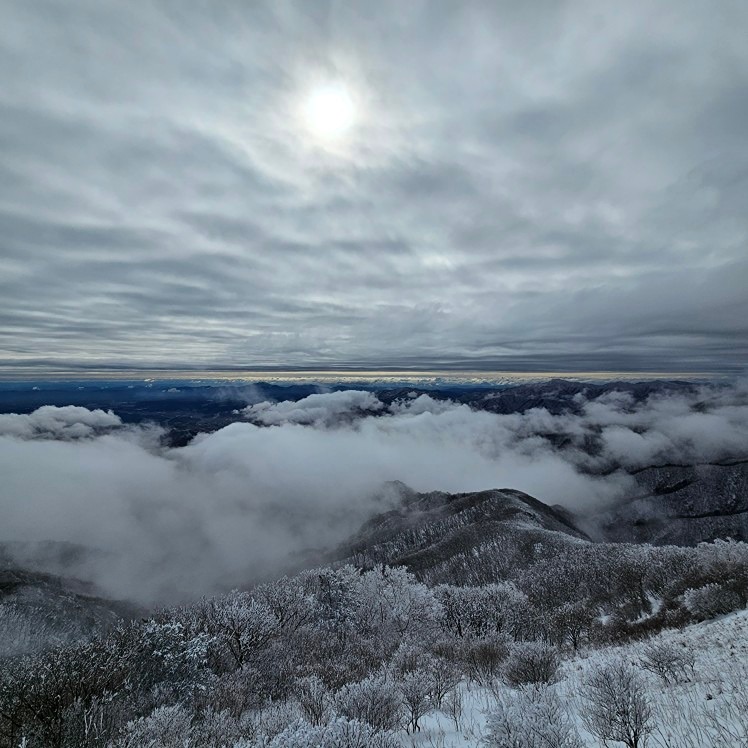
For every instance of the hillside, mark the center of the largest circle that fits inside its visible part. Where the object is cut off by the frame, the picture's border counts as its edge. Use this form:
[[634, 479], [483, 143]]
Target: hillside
[[38, 610], [703, 706], [682, 505], [430, 530]]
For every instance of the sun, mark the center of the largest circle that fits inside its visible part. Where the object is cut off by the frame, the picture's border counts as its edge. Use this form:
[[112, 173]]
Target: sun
[[330, 111]]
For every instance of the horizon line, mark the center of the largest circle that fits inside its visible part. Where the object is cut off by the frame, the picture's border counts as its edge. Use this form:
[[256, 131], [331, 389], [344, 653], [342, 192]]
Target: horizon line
[[258, 374]]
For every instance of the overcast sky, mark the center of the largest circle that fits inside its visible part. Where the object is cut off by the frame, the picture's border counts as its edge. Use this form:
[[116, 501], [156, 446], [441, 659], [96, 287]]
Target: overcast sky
[[525, 185]]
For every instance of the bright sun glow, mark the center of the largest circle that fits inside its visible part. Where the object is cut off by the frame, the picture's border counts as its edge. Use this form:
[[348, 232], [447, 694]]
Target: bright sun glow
[[330, 112]]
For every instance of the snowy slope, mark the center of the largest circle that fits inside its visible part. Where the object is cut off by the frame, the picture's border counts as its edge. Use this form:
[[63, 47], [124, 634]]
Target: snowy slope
[[708, 709]]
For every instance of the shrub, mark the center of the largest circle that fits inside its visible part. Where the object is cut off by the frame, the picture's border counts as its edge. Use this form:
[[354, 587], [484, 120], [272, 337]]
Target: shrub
[[483, 659], [616, 705], [165, 726], [531, 719], [532, 663], [373, 700], [711, 600], [668, 661], [340, 733]]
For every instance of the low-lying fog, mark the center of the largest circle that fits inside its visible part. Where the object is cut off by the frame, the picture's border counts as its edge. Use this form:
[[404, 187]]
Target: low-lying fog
[[237, 504]]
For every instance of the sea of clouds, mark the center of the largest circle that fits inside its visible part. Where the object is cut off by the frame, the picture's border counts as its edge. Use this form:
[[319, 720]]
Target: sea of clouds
[[251, 499]]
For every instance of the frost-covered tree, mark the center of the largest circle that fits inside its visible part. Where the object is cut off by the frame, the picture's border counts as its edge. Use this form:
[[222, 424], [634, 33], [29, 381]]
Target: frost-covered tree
[[532, 663], [444, 677], [726, 561], [338, 597], [339, 733], [531, 719], [165, 727], [273, 720], [416, 690], [290, 602], [56, 693], [570, 624], [616, 705], [165, 652], [711, 600], [374, 700], [483, 659], [314, 698], [394, 604], [483, 611], [239, 625], [28, 630], [667, 660], [212, 728]]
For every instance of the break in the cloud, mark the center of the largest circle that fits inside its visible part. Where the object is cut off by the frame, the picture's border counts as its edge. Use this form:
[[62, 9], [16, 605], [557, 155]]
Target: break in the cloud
[[243, 502], [533, 185]]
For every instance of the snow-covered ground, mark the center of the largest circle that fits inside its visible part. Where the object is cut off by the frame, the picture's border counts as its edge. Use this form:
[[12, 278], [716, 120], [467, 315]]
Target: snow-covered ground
[[705, 708]]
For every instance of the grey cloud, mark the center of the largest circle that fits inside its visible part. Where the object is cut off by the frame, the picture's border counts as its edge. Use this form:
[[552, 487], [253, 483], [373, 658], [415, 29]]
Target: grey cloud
[[522, 186], [321, 409], [51, 422]]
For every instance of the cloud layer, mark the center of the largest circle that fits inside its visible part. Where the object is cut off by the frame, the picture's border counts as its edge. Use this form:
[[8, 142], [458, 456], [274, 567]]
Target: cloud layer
[[315, 410], [52, 422], [247, 501], [531, 185]]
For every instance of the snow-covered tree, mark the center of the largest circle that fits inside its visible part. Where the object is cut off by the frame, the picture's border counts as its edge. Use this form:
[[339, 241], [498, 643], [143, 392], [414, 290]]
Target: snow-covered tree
[[711, 600], [532, 663], [531, 719], [339, 733], [616, 705], [416, 690], [165, 727], [240, 625], [374, 700]]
